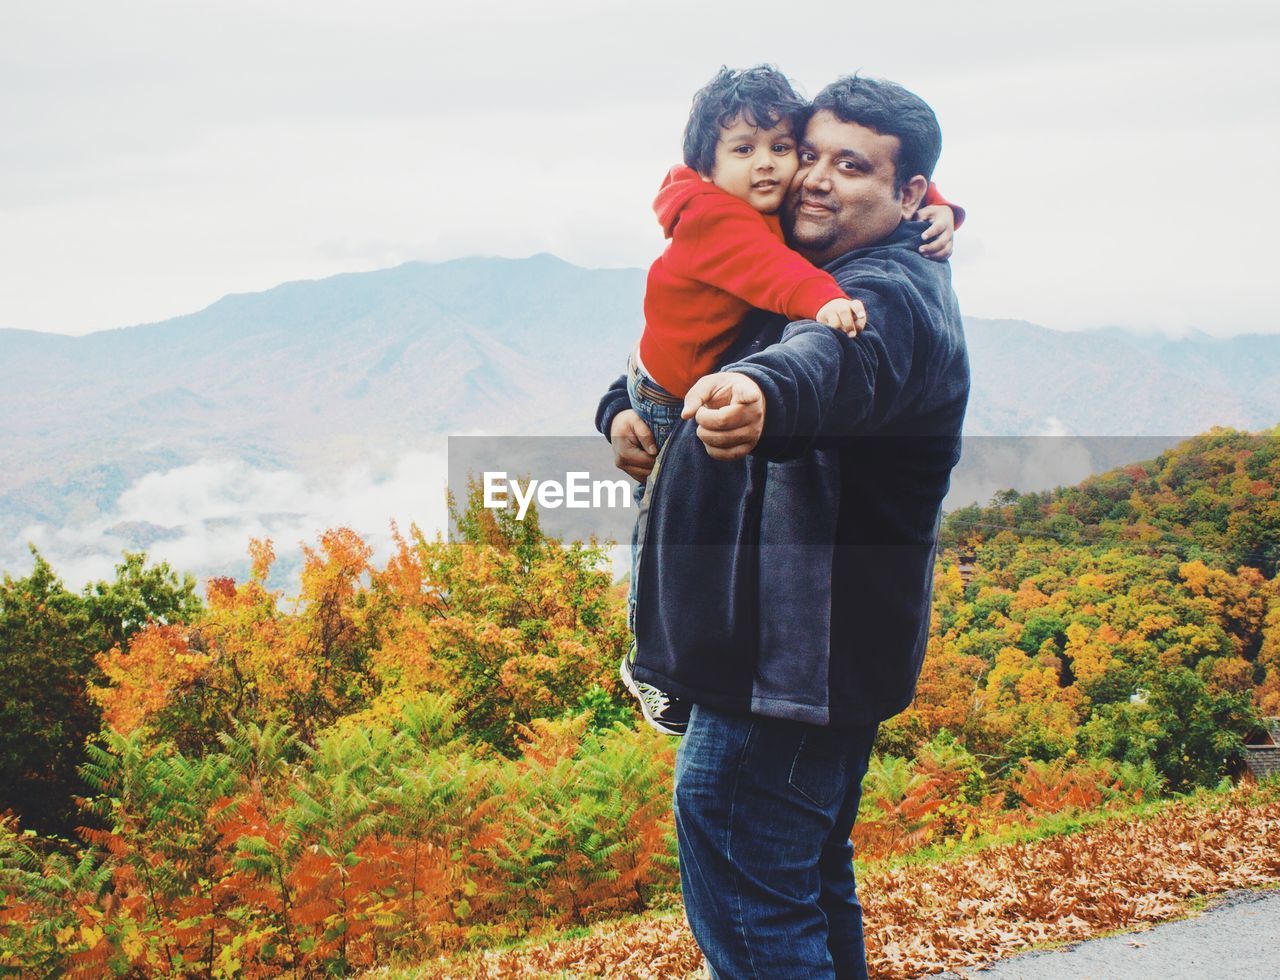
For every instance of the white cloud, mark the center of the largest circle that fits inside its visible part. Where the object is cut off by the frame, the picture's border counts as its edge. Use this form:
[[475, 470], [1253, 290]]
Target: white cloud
[[210, 509]]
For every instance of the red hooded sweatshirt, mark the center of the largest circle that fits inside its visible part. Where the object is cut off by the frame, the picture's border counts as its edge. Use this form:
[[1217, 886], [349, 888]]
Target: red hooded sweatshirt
[[724, 258]]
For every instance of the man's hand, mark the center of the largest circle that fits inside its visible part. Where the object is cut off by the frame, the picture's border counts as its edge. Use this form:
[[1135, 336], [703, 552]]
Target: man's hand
[[729, 410], [633, 446], [844, 314], [939, 237]]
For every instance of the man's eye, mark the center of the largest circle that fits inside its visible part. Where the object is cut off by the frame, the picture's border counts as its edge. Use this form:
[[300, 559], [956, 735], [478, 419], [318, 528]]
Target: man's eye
[[807, 157]]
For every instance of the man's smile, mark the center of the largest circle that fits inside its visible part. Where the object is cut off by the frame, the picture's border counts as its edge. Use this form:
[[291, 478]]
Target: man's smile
[[810, 206]]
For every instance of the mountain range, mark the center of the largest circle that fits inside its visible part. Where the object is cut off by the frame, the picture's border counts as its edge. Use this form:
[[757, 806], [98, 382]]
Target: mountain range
[[314, 376]]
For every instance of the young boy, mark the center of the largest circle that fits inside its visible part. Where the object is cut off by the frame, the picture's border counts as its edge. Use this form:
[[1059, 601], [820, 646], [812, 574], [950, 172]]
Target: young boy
[[727, 256]]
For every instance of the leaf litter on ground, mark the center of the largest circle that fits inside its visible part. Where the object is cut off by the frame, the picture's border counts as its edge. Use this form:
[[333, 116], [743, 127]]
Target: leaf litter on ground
[[923, 919]]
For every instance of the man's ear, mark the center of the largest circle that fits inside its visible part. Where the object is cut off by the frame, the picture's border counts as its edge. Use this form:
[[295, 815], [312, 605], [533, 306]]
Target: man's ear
[[913, 193]]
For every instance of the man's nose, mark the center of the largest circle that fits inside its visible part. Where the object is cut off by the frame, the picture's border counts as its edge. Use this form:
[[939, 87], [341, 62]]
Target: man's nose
[[817, 178]]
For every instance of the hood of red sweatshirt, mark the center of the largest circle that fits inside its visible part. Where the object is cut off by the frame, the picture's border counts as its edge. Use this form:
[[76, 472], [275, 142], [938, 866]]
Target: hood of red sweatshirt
[[681, 185]]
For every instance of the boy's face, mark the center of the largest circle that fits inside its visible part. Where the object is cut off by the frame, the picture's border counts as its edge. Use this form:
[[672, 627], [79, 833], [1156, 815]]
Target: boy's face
[[755, 164]]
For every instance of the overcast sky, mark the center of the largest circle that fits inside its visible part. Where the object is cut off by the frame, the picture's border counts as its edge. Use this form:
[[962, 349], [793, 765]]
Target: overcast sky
[[1116, 159]]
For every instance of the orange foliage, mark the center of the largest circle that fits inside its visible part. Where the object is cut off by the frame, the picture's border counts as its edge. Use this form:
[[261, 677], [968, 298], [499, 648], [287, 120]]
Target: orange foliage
[[143, 679], [949, 692], [1233, 675], [1236, 602], [1267, 694], [1049, 787], [513, 632]]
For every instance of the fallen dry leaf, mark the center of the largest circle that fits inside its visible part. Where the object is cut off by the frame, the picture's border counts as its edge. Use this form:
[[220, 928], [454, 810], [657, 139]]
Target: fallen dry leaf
[[965, 913]]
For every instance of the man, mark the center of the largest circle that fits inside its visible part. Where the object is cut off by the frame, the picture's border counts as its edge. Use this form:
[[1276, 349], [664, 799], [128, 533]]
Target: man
[[785, 588]]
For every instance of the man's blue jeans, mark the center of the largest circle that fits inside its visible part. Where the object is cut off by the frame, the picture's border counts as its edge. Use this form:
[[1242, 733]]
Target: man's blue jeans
[[764, 809]]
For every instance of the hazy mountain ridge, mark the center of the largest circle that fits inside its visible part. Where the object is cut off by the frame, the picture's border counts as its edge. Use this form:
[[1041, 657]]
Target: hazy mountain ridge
[[314, 375], [389, 356], [1113, 382]]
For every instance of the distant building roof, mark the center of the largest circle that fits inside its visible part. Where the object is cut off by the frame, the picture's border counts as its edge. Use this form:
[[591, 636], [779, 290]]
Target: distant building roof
[[1262, 755]]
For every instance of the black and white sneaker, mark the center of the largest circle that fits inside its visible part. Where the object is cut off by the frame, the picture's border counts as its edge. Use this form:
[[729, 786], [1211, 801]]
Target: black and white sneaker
[[663, 712]]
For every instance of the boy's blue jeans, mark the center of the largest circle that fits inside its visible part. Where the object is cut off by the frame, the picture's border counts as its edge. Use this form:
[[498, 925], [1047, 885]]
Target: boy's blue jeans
[[661, 411], [658, 407], [764, 809]]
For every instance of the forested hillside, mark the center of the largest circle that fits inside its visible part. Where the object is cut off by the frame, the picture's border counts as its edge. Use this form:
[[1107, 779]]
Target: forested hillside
[[1215, 497]]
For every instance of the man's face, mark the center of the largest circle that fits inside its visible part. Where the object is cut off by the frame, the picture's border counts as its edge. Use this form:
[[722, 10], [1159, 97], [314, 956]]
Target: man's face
[[842, 196], [755, 164]]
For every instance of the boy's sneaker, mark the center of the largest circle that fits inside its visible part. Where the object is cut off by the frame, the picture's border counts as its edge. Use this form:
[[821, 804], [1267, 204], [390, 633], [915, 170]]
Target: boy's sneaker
[[667, 714]]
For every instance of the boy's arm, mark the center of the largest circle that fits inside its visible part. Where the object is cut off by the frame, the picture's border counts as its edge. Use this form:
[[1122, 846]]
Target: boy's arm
[[943, 218], [725, 243], [933, 197]]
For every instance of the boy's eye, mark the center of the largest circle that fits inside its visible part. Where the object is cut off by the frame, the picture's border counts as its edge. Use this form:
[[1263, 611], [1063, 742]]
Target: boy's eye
[[745, 148], [782, 147]]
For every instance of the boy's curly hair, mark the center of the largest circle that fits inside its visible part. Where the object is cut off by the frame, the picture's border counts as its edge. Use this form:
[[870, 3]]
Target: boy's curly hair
[[761, 95]]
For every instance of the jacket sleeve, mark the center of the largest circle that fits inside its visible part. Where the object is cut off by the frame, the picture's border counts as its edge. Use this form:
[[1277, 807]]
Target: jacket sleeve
[[820, 384], [614, 400], [934, 196], [726, 244]]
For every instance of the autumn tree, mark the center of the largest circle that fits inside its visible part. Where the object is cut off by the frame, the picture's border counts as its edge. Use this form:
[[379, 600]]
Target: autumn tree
[[512, 624], [48, 639]]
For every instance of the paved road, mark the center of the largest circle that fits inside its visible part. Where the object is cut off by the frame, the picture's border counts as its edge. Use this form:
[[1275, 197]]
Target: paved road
[[1237, 937]]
